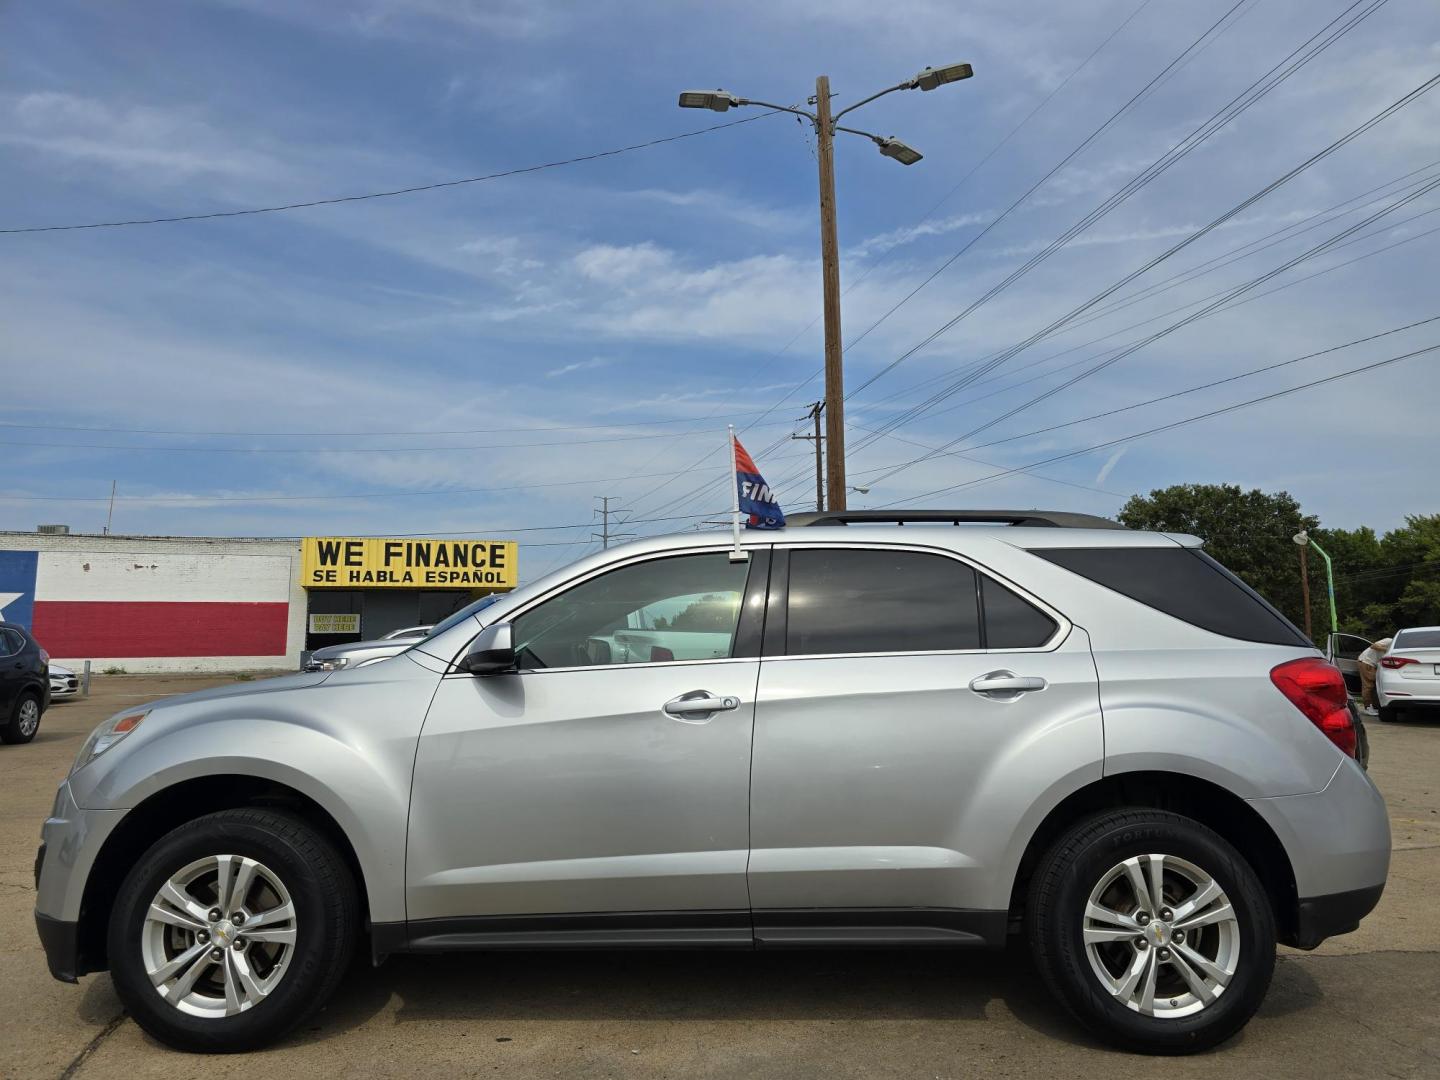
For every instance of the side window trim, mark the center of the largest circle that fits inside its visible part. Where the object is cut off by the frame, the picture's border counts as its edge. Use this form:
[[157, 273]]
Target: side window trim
[[778, 606]]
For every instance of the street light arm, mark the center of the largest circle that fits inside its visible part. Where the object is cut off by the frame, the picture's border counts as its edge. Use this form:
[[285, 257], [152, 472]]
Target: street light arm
[[778, 108], [857, 131], [908, 84]]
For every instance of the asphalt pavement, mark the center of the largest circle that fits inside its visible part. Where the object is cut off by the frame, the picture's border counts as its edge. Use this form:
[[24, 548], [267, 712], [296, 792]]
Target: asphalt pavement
[[1363, 1005]]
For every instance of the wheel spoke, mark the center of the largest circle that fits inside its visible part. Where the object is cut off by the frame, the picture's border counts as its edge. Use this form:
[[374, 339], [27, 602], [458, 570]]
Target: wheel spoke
[[1157, 882], [1138, 885], [1099, 913], [1141, 968], [1095, 935], [242, 989], [169, 915], [283, 913], [1203, 896], [1147, 985], [284, 936], [175, 895], [240, 888], [224, 874], [1221, 913], [167, 971], [1206, 967], [1193, 979]]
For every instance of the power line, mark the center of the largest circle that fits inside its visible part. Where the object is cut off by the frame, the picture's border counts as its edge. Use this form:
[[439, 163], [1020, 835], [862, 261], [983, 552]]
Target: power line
[[353, 449], [369, 434], [1170, 426], [939, 452], [1235, 210], [1237, 105], [392, 193]]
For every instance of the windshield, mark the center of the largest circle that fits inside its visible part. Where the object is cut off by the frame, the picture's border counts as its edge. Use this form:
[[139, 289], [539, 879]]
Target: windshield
[[463, 614]]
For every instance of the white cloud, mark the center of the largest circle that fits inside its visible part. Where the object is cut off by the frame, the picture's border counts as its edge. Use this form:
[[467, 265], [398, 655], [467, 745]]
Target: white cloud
[[579, 365]]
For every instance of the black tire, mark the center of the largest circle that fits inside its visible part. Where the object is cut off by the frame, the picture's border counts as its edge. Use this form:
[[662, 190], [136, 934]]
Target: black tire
[[14, 731], [1389, 714], [326, 920], [1061, 888]]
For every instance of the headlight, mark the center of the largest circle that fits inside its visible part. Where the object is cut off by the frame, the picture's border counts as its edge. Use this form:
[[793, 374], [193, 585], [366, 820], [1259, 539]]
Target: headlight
[[107, 735], [333, 663]]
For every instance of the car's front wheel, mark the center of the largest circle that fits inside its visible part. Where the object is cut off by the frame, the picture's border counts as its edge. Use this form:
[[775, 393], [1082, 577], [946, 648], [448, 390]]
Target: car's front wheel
[[231, 930], [1152, 930]]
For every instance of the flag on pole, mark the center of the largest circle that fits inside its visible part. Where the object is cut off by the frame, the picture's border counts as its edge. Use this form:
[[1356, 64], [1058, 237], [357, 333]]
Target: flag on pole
[[755, 496]]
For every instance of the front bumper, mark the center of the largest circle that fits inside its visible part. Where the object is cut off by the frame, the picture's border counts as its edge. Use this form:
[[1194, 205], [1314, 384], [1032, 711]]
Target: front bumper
[[71, 839], [61, 942]]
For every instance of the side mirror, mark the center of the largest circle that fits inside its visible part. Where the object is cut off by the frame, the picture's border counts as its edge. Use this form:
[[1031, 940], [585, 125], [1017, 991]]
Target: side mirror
[[492, 653]]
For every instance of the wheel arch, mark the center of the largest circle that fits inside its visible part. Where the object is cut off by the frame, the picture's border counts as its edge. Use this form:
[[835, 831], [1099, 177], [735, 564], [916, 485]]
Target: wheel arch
[[171, 807], [1204, 801]]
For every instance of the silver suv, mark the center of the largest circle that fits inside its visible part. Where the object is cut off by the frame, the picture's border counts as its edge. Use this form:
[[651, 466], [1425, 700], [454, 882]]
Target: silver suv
[[917, 729]]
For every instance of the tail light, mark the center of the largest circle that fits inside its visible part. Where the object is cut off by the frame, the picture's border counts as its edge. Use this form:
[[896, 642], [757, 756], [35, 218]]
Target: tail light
[[1393, 662], [1317, 689]]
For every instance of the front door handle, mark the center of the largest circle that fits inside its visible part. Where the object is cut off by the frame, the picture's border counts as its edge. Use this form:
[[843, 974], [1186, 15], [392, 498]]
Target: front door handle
[[1006, 685], [698, 706]]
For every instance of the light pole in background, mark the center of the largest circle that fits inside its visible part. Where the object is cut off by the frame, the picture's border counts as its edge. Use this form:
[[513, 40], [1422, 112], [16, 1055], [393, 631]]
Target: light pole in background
[[1305, 542], [825, 126]]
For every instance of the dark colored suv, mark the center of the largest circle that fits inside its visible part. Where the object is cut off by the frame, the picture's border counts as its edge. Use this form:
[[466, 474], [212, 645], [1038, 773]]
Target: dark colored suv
[[24, 684]]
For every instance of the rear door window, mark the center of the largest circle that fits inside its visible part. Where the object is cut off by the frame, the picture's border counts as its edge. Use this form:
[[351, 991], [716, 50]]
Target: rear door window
[[854, 600], [1184, 583]]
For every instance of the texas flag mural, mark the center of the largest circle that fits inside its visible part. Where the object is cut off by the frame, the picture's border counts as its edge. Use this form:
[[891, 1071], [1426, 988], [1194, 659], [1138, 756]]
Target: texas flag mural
[[756, 498], [119, 605]]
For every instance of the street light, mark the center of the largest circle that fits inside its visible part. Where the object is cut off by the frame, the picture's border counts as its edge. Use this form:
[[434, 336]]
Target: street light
[[1304, 541], [825, 126]]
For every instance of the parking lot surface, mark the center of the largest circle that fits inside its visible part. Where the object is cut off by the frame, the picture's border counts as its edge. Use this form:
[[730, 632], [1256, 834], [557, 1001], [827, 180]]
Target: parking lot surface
[[1363, 1005]]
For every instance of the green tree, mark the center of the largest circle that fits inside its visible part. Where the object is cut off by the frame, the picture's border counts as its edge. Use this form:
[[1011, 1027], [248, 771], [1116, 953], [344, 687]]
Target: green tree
[[1249, 531]]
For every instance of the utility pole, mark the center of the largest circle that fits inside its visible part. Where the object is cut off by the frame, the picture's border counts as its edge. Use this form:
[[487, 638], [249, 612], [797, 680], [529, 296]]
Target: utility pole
[[830, 274], [1305, 587], [816, 408], [110, 514], [605, 535], [826, 125]]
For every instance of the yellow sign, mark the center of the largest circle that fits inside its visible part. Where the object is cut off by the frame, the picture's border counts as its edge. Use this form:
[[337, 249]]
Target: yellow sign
[[340, 562], [334, 624]]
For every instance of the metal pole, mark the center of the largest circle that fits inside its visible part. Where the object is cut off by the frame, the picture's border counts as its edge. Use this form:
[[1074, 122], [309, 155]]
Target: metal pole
[[815, 410], [736, 555], [1329, 585], [1305, 588], [85, 681], [110, 514], [830, 274]]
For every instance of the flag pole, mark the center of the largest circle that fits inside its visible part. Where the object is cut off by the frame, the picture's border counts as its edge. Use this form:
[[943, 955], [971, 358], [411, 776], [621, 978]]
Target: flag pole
[[736, 555]]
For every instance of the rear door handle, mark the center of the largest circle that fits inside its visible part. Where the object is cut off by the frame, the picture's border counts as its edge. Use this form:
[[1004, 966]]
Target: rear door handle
[[1006, 684], [698, 706]]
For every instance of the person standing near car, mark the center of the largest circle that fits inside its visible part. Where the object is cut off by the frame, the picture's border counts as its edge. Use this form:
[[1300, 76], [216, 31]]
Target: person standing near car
[[1369, 661]]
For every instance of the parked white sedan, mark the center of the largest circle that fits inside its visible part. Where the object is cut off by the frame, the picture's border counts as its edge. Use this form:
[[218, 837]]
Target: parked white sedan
[[64, 683], [1409, 674]]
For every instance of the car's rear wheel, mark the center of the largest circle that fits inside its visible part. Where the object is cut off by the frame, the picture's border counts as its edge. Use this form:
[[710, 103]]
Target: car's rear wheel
[[1152, 930], [24, 719], [231, 930]]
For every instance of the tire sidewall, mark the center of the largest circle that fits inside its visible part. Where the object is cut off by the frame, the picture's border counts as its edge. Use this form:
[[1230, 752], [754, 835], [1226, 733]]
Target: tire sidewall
[[316, 936], [1083, 991]]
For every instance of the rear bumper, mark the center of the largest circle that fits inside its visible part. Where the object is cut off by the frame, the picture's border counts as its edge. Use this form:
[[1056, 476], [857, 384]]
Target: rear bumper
[[1321, 917], [1338, 843]]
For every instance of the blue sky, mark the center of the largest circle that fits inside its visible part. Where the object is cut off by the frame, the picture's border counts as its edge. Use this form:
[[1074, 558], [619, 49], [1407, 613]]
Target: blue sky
[[640, 302]]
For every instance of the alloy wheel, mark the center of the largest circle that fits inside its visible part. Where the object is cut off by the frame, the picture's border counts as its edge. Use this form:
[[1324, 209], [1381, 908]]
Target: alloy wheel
[[1161, 936], [29, 717], [219, 936]]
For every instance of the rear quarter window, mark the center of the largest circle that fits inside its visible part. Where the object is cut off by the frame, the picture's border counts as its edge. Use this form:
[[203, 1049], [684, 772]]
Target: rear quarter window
[[1186, 584]]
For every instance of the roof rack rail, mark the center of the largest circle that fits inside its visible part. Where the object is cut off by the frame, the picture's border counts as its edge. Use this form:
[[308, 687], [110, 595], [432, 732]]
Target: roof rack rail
[[1051, 519]]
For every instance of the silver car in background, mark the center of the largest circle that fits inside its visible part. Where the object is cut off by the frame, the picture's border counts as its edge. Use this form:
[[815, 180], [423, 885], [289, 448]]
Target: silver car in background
[[883, 728], [355, 654]]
